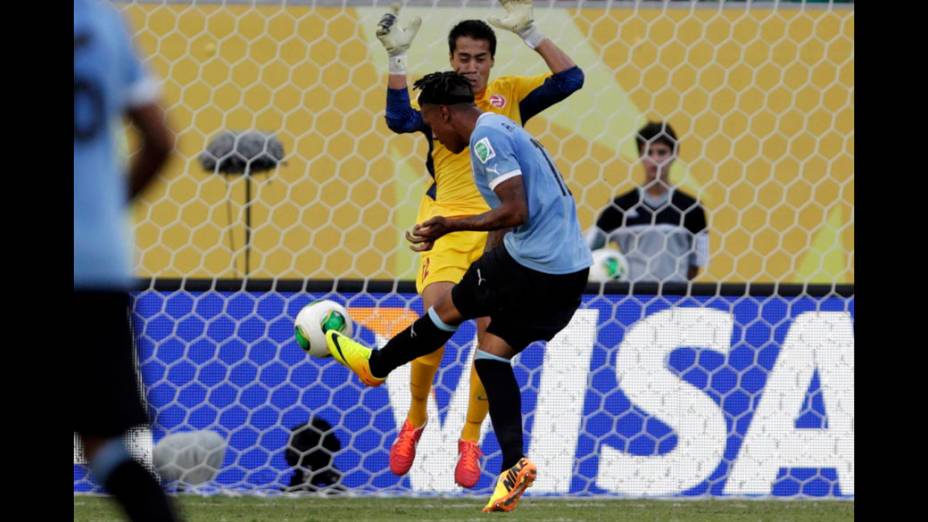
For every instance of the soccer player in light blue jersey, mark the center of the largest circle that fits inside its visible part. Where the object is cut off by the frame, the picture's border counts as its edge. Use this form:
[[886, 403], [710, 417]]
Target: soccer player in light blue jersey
[[529, 281], [109, 84]]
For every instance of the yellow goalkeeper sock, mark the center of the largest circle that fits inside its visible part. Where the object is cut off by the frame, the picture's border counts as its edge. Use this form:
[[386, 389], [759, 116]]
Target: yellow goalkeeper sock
[[420, 384], [477, 408]]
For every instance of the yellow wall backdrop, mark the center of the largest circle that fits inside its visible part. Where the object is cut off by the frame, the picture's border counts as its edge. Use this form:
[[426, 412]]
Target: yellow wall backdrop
[[762, 100]]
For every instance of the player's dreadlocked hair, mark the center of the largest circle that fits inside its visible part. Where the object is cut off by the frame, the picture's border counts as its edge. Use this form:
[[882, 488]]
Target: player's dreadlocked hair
[[444, 88]]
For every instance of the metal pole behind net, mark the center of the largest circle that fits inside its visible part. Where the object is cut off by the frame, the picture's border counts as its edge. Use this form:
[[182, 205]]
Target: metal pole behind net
[[247, 223], [244, 153]]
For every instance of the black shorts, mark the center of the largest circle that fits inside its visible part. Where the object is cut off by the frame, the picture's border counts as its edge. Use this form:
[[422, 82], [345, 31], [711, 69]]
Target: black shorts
[[524, 305], [104, 376]]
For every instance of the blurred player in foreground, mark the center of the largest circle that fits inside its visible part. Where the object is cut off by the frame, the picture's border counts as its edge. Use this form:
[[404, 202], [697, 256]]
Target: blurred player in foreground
[[109, 82], [472, 48], [528, 289]]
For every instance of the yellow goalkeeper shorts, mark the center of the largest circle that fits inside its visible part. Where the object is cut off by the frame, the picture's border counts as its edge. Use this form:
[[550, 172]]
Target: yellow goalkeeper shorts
[[452, 254]]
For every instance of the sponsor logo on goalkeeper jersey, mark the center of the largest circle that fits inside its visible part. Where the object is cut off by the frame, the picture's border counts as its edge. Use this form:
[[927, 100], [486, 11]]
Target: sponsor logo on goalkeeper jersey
[[497, 101]]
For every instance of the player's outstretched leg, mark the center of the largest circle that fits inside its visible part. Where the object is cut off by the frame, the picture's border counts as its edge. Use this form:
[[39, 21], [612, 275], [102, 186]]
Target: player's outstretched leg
[[422, 337], [353, 355], [510, 485], [467, 470]]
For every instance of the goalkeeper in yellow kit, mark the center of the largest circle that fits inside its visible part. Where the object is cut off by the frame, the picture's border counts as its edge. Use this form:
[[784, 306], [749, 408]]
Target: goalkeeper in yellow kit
[[472, 47]]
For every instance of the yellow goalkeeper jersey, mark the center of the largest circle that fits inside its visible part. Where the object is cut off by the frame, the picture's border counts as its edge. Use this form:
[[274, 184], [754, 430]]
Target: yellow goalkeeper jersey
[[454, 191]]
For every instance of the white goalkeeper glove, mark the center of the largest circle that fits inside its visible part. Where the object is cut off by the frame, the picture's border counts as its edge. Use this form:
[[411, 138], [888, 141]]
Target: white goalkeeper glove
[[396, 40], [520, 21]]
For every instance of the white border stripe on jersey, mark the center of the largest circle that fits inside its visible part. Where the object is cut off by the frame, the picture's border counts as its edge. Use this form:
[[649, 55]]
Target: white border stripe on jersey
[[503, 177]]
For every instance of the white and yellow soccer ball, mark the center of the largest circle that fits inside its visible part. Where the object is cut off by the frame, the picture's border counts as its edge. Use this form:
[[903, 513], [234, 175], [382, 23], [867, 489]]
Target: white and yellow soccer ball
[[315, 319], [608, 265]]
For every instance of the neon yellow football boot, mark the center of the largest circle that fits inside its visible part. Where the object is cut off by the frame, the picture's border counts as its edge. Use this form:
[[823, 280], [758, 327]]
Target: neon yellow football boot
[[510, 486], [352, 354]]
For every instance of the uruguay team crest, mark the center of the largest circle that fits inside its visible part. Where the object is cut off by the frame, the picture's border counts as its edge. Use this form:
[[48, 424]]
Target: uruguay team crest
[[497, 101]]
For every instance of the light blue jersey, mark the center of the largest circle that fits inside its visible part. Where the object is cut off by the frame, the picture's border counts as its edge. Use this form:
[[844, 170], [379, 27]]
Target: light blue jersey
[[108, 79], [550, 240]]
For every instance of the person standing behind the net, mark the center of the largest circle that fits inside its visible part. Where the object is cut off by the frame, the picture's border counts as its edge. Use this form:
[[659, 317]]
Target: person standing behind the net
[[472, 48], [660, 229], [109, 83], [528, 289]]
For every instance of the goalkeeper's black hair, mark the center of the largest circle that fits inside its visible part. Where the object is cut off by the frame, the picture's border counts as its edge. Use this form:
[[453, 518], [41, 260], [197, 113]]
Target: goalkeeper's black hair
[[476, 29], [656, 132], [444, 88]]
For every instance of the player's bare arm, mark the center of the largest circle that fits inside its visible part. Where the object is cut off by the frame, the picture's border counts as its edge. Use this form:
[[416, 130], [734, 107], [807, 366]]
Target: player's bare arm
[[157, 142], [495, 238], [512, 212]]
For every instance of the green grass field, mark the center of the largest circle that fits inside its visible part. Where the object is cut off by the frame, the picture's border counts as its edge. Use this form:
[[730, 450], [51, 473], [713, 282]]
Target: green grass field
[[313, 509]]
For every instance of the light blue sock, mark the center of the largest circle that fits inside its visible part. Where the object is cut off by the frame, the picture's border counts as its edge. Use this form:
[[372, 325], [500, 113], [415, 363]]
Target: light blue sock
[[433, 315], [489, 356]]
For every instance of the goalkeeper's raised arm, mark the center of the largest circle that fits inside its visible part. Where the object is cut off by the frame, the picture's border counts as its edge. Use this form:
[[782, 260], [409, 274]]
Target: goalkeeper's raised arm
[[521, 21], [566, 76], [472, 53], [396, 41]]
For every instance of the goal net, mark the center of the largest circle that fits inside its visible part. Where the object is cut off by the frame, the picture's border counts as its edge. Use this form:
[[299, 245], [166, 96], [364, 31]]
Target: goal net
[[739, 384]]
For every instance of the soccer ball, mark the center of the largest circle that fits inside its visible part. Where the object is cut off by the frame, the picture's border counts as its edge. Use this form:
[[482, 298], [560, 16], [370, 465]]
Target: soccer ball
[[608, 265], [315, 319]]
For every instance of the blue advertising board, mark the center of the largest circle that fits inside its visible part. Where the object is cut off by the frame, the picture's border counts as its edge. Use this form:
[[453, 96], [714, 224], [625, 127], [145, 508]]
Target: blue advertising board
[[641, 395]]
